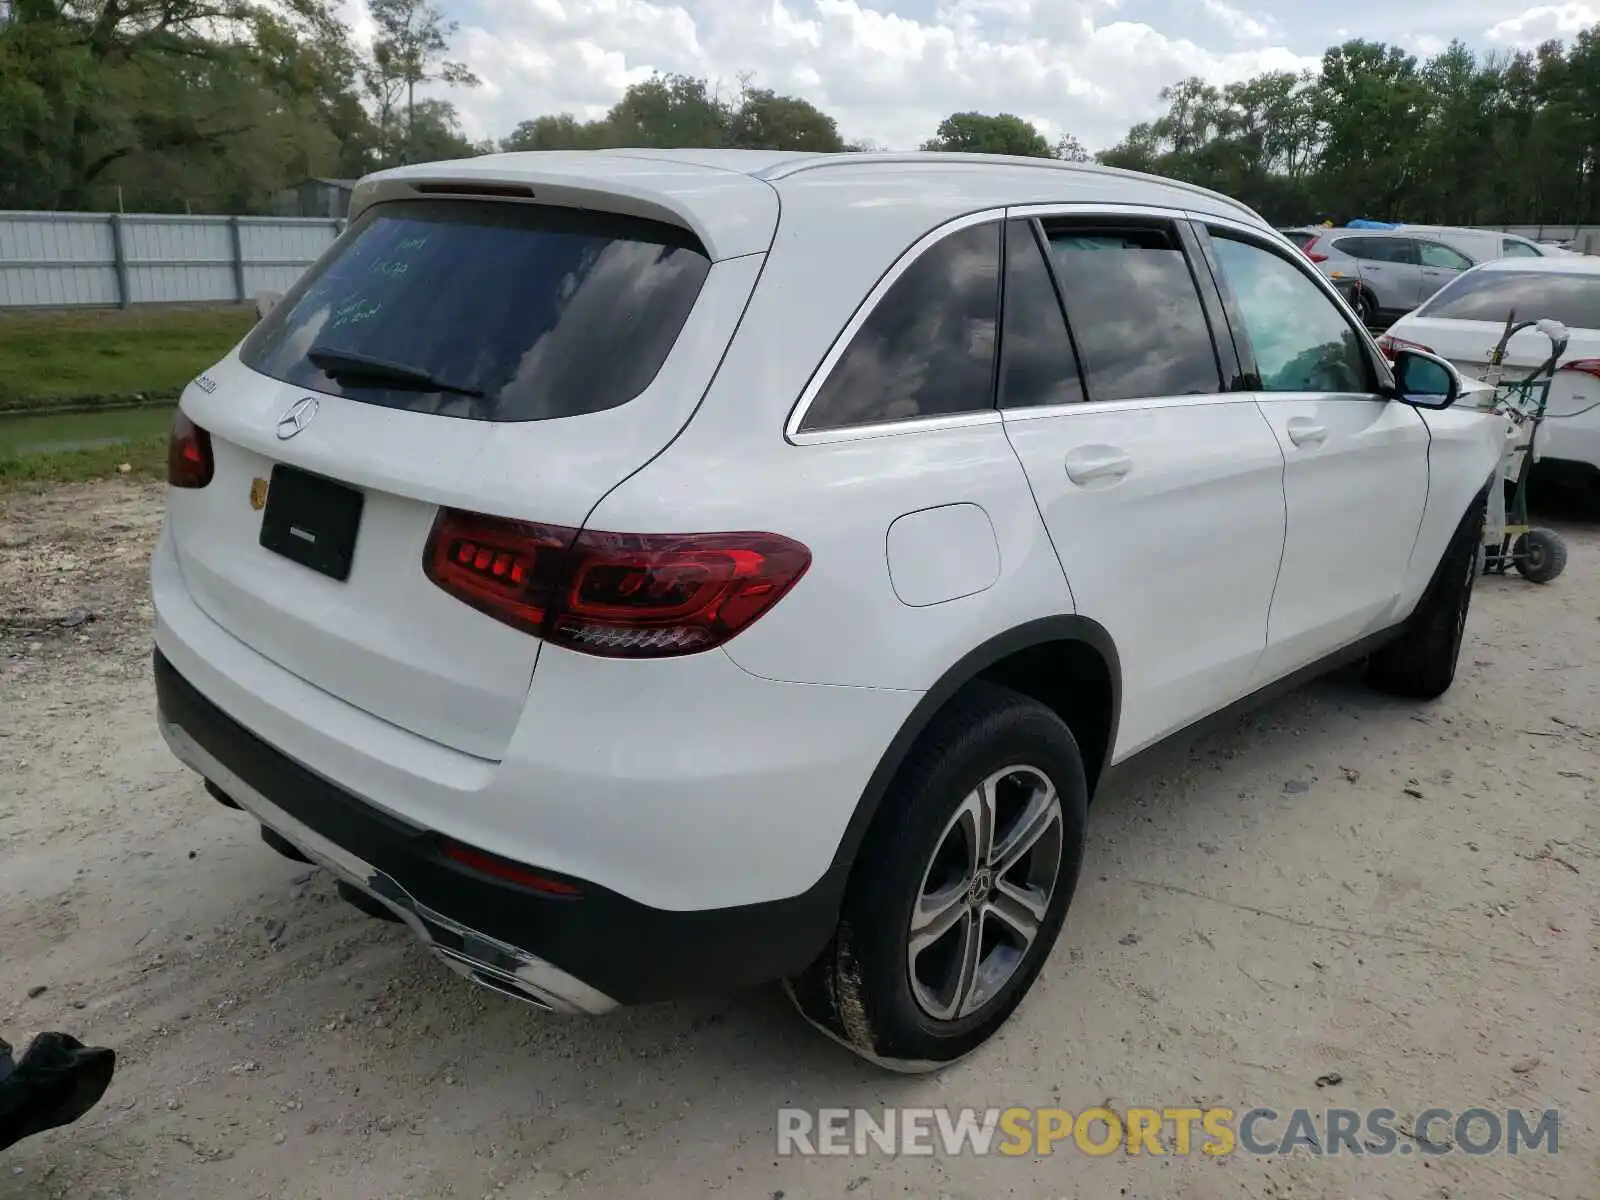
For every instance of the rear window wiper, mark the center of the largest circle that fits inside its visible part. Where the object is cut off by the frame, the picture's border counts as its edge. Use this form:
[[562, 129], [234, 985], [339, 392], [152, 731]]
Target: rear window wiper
[[346, 364]]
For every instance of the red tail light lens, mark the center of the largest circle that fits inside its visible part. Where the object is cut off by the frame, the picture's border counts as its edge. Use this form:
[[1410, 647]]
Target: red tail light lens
[[503, 868], [620, 595], [1393, 345], [1310, 250], [1584, 366], [189, 463]]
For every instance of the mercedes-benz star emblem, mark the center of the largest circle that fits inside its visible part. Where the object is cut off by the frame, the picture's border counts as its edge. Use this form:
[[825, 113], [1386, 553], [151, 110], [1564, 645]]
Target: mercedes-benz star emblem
[[297, 418]]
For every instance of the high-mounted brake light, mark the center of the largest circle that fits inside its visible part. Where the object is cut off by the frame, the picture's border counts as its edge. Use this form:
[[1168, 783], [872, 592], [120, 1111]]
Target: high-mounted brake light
[[621, 595], [189, 462], [1584, 366], [1392, 345]]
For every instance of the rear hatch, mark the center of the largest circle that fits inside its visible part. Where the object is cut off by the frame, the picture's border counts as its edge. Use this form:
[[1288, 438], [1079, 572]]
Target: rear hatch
[[505, 358]]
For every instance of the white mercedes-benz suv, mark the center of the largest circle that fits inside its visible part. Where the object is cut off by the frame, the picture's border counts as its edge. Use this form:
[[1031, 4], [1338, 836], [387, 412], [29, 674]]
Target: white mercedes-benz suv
[[644, 572]]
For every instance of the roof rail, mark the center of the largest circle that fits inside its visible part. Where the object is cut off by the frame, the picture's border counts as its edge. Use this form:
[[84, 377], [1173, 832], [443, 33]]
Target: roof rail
[[950, 158]]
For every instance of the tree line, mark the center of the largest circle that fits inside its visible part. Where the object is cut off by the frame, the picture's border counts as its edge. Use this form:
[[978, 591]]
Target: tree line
[[216, 105]]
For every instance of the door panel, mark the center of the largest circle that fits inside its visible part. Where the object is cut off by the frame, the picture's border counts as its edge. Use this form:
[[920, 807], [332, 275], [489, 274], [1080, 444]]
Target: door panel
[[1355, 484], [1440, 264], [1171, 541], [1355, 477], [1389, 267]]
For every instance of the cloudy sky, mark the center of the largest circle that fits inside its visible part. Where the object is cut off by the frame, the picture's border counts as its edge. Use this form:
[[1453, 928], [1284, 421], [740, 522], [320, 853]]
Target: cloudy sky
[[889, 70]]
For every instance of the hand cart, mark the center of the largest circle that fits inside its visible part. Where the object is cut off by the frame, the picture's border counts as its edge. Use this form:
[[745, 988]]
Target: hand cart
[[1539, 555]]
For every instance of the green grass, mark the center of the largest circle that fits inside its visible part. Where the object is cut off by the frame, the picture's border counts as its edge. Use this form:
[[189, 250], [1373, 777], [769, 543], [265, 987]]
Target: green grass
[[146, 458], [112, 352]]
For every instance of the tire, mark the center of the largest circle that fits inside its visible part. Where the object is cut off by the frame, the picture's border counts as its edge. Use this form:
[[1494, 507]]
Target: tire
[[1540, 555], [907, 1010], [1421, 661]]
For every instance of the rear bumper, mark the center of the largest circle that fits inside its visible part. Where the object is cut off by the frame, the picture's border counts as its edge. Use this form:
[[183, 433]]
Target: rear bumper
[[568, 954]]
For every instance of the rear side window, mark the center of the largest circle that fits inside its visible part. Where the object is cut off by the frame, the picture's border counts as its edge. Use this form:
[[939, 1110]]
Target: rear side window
[[492, 312], [1135, 312], [1512, 248], [1385, 250], [1482, 295], [927, 348], [1038, 365]]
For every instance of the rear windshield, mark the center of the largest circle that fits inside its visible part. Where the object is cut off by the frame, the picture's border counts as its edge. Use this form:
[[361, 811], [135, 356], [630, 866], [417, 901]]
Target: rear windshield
[[1574, 300], [483, 310], [1300, 237]]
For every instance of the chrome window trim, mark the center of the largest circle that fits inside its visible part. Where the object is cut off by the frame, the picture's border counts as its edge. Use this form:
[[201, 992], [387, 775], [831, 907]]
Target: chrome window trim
[[791, 429], [851, 433], [1131, 404]]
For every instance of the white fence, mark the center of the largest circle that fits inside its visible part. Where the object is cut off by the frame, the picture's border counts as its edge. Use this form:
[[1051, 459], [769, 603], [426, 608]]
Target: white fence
[[60, 260]]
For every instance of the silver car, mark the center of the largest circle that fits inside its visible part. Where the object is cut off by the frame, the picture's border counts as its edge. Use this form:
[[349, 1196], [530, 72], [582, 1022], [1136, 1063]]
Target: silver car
[[1384, 273]]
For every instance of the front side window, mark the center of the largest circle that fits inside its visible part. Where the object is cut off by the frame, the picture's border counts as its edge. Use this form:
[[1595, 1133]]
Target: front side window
[[1512, 248], [1135, 312], [1490, 295], [1301, 340], [486, 311], [927, 349], [1436, 254]]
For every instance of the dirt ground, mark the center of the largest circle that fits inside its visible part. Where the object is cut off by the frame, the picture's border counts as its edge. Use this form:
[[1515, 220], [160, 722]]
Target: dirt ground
[[1402, 895]]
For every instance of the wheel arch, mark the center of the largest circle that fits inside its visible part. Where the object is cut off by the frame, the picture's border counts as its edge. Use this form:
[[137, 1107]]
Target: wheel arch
[[1036, 658]]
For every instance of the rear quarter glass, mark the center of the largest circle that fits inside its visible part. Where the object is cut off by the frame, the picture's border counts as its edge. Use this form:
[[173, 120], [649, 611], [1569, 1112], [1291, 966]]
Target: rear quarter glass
[[545, 312]]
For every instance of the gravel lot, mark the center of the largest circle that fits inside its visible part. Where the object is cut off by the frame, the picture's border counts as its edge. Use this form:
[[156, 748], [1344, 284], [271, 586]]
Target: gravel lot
[[1404, 896]]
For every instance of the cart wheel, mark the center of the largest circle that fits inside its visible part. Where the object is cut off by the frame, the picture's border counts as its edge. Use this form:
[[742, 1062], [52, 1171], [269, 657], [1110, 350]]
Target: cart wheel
[[1366, 309], [1540, 555]]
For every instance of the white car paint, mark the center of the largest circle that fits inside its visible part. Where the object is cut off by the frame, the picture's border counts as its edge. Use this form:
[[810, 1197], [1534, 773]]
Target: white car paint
[[1216, 559], [1572, 434]]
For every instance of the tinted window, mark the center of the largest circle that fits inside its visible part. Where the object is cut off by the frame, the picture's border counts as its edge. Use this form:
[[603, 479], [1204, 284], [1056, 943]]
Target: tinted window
[[1037, 362], [1375, 249], [1512, 248], [1482, 295], [1300, 237], [1135, 312], [1436, 254], [1301, 340], [927, 349], [540, 312]]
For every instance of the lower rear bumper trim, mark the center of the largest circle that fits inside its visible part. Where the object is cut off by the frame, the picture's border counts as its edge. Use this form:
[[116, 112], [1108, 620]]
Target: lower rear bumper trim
[[483, 959]]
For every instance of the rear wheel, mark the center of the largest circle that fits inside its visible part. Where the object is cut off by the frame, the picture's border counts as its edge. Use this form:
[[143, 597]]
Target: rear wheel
[[1421, 661], [960, 889]]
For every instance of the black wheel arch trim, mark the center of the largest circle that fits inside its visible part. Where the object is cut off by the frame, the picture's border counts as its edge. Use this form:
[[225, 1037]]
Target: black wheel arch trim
[[1031, 634]]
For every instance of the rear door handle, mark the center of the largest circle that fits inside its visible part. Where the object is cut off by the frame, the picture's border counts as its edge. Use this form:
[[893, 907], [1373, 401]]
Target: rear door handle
[[1305, 432], [1090, 463]]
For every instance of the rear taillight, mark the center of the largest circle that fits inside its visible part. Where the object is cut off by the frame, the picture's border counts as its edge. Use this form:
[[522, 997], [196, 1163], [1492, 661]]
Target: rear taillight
[[621, 595], [1311, 251], [1584, 366], [1393, 345], [189, 462]]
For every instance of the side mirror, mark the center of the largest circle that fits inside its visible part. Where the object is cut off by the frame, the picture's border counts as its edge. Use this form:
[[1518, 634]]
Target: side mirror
[[1425, 380], [266, 302]]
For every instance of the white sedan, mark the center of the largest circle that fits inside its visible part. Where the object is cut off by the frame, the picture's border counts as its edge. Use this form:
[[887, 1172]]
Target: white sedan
[[1463, 320]]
